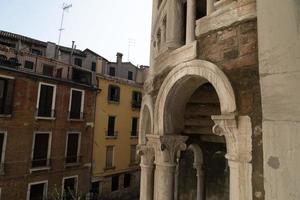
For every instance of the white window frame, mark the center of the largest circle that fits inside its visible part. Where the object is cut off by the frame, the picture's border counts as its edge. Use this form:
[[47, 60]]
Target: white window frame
[[63, 184], [78, 148], [48, 153], [53, 100], [7, 77], [113, 156], [3, 151], [82, 102], [45, 194]]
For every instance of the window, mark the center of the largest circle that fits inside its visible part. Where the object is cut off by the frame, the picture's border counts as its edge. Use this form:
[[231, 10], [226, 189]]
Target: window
[[72, 148], [48, 70], [134, 126], [76, 104], [114, 183], [133, 154], [70, 187], [28, 65], [109, 157], [36, 52], [59, 73], [3, 136], [6, 94], [41, 150], [112, 71], [95, 188], [37, 190], [130, 75], [113, 93], [136, 99], [93, 66], [111, 126], [78, 61], [127, 180], [46, 100]]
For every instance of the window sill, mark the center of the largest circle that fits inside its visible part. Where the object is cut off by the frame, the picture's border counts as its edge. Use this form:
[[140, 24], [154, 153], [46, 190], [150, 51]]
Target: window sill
[[113, 102], [67, 165], [134, 137], [109, 168], [76, 120], [39, 169], [5, 115], [111, 137], [44, 118]]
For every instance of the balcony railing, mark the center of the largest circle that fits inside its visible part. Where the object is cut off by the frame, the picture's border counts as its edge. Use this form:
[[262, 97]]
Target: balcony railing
[[42, 65], [136, 104]]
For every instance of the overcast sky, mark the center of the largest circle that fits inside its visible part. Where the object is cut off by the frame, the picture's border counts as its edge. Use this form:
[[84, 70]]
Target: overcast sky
[[104, 26]]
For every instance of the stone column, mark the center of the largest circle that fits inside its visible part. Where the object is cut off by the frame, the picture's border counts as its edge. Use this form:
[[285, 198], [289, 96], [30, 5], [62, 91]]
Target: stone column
[[210, 7], [238, 144], [190, 21], [146, 185], [174, 24], [166, 148], [199, 181]]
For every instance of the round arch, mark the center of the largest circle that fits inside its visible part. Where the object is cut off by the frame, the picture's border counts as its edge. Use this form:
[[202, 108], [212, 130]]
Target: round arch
[[180, 84], [146, 119]]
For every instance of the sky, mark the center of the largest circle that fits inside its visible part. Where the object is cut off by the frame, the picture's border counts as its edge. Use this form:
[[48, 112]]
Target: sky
[[104, 26]]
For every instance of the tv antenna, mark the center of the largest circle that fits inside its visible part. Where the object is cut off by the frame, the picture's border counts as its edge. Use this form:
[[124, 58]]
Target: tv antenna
[[65, 7], [131, 43]]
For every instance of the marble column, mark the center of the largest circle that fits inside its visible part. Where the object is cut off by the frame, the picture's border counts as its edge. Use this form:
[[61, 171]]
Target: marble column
[[147, 174], [199, 182], [210, 7], [166, 148], [190, 21]]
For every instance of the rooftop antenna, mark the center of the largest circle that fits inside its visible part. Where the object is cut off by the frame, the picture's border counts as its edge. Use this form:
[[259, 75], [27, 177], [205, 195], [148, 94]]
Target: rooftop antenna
[[131, 43], [65, 7]]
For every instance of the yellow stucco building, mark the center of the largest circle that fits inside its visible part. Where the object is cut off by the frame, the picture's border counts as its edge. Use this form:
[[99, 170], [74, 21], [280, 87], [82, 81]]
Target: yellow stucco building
[[115, 165]]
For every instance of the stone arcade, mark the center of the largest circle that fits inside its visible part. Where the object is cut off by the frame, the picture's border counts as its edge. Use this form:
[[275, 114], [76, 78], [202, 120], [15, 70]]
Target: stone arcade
[[202, 103]]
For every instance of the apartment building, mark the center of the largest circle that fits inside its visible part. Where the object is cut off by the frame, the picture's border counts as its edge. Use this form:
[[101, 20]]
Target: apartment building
[[47, 100], [115, 164]]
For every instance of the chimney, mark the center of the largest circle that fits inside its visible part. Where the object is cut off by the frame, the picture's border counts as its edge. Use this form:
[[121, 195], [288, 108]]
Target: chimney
[[119, 58]]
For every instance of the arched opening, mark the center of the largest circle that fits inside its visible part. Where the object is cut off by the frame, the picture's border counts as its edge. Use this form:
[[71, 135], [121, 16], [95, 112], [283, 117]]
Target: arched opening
[[196, 113]]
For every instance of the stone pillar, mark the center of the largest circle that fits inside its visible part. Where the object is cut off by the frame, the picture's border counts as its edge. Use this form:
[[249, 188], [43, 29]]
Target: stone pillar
[[190, 21], [210, 7], [199, 182], [174, 24], [146, 185], [238, 144], [166, 148]]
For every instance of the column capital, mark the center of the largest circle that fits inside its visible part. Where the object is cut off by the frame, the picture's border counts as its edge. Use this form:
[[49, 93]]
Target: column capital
[[147, 155], [167, 147]]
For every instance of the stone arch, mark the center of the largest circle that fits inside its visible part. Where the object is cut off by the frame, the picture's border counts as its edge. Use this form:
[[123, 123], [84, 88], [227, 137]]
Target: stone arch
[[146, 119], [178, 86]]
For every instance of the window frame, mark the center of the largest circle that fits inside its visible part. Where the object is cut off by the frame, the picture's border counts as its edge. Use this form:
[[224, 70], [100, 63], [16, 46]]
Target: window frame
[[77, 59], [63, 184], [118, 188], [2, 161], [32, 169], [135, 157], [115, 133], [131, 73], [116, 101], [114, 71], [134, 103], [78, 147], [137, 127], [81, 106], [13, 91], [28, 61], [45, 193], [112, 159], [53, 101]]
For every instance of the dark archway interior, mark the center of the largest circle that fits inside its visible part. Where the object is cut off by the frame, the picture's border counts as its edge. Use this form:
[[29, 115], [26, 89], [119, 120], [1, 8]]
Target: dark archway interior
[[198, 125]]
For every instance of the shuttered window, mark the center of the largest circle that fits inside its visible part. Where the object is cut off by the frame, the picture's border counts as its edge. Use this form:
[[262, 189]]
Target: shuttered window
[[136, 99], [46, 101], [77, 98], [72, 148], [40, 150], [109, 156], [6, 95], [134, 126]]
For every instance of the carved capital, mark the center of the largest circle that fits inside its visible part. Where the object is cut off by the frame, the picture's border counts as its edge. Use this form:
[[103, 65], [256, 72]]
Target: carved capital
[[147, 154], [167, 147]]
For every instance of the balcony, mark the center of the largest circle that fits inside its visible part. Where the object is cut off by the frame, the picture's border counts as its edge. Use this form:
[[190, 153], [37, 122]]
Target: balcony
[[43, 66]]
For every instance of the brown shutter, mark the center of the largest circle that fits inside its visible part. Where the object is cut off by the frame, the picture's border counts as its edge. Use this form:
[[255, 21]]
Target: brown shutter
[[72, 147], [75, 104], [9, 96], [40, 150]]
